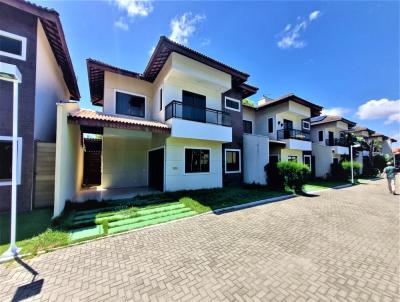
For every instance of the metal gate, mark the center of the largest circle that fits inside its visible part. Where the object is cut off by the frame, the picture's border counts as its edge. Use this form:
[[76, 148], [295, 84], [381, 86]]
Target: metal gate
[[44, 174]]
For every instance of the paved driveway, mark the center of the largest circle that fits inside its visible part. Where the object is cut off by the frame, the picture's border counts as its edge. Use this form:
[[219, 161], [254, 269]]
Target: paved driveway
[[342, 245]]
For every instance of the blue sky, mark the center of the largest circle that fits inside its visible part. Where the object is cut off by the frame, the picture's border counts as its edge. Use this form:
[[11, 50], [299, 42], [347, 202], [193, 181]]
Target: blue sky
[[341, 55]]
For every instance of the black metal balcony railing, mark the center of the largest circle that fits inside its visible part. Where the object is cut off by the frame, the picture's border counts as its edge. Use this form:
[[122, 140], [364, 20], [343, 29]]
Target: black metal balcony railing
[[293, 133], [336, 142], [176, 109]]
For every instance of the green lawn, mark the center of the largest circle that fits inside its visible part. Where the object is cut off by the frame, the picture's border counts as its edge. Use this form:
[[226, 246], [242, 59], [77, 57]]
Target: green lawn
[[89, 220], [316, 185], [34, 231]]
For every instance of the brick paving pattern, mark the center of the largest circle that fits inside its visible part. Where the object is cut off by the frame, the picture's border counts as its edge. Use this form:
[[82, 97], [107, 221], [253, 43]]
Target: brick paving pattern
[[340, 246]]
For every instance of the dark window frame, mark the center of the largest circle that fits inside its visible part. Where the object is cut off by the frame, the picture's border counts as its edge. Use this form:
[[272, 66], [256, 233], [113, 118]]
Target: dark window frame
[[200, 167], [247, 124], [132, 95], [321, 135], [238, 163], [293, 158], [8, 140], [161, 99], [270, 125]]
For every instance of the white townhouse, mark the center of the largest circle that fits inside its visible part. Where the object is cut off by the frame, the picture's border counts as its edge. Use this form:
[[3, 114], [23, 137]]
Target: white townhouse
[[282, 127], [176, 126], [382, 143], [329, 145]]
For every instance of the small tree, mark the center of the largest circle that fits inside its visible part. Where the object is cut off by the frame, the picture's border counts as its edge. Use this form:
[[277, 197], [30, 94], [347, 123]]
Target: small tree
[[248, 102]]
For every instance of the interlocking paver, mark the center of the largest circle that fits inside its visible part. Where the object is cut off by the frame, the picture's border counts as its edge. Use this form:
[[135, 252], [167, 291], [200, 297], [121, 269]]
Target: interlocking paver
[[340, 246]]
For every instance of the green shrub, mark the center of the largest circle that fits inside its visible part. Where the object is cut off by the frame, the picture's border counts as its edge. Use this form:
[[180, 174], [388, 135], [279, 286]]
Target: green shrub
[[275, 180], [338, 173], [356, 168], [294, 174]]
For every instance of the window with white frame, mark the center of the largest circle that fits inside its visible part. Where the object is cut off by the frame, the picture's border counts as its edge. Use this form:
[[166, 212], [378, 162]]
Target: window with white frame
[[233, 161], [306, 125], [232, 104], [6, 160], [12, 45], [130, 104]]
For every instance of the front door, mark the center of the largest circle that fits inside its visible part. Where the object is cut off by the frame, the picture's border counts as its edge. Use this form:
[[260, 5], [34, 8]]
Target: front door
[[156, 169]]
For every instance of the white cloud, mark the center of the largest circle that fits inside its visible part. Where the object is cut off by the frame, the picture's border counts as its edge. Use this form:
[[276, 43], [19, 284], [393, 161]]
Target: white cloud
[[291, 35], [340, 111], [183, 27], [205, 42], [314, 15], [121, 23], [133, 8], [389, 110]]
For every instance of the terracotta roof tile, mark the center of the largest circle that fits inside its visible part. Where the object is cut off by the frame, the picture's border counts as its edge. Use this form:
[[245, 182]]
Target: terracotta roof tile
[[114, 118]]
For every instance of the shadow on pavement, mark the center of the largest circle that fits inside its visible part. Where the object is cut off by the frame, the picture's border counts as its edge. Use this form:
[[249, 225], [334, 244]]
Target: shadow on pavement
[[31, 289]]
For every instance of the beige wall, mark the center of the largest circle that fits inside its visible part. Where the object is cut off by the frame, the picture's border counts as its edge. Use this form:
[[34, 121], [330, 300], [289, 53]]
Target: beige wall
[[124, 158], [113, 82], [50, 89], [175, 176], [285, 153], [250, 115], [69, 159]]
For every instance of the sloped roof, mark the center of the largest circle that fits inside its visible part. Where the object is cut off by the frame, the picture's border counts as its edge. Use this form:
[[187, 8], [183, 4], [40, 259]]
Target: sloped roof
[[160, 55], [93, 118], [359, 128], [55, 35], [315, 109], [329, 119]]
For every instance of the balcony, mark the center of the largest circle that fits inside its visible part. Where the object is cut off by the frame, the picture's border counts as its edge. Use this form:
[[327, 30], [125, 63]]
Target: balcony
[[336, 142], [293, 134], [176, 109], [198, 123], [295, 139]]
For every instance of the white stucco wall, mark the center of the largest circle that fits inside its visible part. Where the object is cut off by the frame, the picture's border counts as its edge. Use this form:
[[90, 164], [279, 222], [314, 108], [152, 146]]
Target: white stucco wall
[[323, 159], [69, 159], [196, 130], [50, 89], [175, 176], [113, 82], [124, 158], [255, 157]]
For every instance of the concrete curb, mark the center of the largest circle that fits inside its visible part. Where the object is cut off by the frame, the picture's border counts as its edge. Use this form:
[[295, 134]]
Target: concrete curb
[[333, 188], [253, 204]]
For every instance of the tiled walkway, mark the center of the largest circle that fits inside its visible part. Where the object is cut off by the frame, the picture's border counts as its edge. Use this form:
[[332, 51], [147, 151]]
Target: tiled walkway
[[342, 245]]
